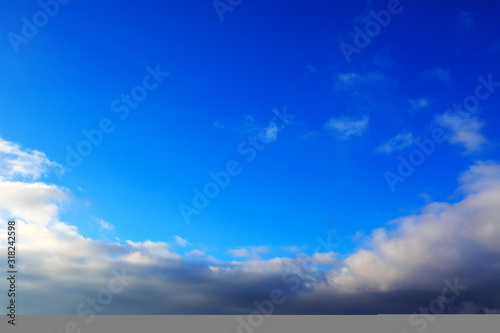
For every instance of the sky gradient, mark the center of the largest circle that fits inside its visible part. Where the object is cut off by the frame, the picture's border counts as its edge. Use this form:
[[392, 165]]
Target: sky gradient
[[345, 153]]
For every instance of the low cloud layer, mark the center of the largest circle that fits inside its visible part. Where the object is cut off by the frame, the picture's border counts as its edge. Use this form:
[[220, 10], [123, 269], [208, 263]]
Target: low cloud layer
[[402, 266]]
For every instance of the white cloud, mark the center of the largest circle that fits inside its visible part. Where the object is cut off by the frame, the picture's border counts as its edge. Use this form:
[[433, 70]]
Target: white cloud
[[442, 240], [26, 163], [181, 241], [463, 129], [34, 202], [399, 142], [325, 258], [148, 252], [346, 128]]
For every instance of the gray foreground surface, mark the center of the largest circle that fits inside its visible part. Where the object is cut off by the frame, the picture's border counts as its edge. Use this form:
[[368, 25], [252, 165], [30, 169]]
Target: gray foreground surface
[[231, 324]]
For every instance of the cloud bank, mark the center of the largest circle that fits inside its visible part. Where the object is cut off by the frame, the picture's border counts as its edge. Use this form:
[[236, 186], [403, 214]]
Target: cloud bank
[[403, 266]]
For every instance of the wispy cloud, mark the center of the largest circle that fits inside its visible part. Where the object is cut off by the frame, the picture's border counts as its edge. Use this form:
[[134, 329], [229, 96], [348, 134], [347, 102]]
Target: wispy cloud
[[465, 19], [245, 124], [181, 241], [291, 249], [463, 129], [219, 124], [24, 163], [81, 189], [438, 74], [104, 225], [346, 127], [252, 252], [353, 81], [383, 58], [267, 132], [399, 142], [270, 133], [415, 105], [310, 70]]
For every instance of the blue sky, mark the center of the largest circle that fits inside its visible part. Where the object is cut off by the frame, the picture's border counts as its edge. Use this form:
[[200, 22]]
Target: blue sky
[[321, 174]]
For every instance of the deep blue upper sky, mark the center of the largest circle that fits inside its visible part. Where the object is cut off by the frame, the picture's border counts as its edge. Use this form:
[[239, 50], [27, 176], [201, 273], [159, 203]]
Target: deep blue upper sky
[[226, 78]]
